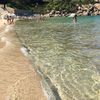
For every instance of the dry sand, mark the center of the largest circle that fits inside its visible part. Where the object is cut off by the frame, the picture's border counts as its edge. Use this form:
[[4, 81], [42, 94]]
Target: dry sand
[[18, 80]]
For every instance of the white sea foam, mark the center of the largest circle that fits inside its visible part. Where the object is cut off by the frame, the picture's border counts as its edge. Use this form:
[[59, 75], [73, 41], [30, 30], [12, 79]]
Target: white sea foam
[[24, 51]]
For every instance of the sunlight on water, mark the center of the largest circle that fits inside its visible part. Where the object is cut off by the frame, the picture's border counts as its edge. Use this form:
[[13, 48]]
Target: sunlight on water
[[68, 54]]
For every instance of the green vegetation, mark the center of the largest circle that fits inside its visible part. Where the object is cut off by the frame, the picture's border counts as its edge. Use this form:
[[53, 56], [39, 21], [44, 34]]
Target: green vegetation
[[61, 5], [68, 5]]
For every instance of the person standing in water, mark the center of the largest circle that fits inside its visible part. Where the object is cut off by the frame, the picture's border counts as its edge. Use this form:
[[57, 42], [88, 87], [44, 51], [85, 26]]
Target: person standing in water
[[74, 18]]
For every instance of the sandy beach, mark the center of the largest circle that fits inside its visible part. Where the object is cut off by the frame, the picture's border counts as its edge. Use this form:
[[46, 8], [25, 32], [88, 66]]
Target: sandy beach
[[18, 80]]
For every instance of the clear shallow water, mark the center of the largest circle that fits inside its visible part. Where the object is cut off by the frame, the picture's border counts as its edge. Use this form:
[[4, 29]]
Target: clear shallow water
[[68, 54]]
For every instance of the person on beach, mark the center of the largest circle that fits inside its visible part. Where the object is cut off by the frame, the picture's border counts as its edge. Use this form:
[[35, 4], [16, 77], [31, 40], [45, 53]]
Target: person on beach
[[12, 20], [13, 17], [8, 19]]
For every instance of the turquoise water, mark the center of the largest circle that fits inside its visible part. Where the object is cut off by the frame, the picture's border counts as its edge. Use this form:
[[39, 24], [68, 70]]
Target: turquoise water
[[67, 54]]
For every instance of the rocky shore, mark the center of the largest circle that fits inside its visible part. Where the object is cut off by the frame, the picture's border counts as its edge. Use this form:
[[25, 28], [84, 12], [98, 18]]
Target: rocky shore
[[87, 10], [84, 10]]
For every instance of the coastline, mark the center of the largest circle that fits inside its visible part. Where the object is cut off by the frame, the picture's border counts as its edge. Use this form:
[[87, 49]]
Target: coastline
[[47, 86], [18, 80], [45, 83]]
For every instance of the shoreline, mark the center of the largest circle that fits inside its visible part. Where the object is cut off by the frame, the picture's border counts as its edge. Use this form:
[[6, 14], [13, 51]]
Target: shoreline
[[48, 88], [18, 70], [44, 84]]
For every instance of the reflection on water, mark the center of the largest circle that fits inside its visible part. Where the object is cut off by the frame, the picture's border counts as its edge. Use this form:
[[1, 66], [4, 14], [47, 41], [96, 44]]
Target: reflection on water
[[69, 55]]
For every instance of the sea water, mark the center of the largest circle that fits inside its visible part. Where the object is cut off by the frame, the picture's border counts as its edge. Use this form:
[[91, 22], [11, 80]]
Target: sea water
[[66, 54]]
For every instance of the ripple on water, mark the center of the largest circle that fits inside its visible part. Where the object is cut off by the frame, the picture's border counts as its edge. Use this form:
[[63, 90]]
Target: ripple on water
[[67, 54]]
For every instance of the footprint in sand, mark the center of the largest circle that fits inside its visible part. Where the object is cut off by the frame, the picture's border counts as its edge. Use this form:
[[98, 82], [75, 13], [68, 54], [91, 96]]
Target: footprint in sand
[[2, 43]]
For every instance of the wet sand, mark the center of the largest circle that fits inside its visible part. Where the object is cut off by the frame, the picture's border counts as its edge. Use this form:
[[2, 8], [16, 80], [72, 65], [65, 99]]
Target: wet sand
[[18, 80]]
